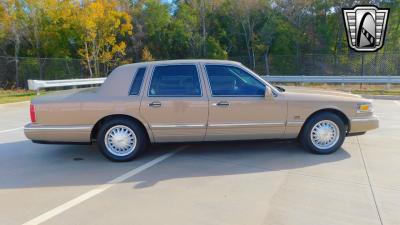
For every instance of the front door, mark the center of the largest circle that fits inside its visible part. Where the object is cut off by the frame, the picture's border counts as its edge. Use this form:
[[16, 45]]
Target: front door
[[238, 108], [174, 104]]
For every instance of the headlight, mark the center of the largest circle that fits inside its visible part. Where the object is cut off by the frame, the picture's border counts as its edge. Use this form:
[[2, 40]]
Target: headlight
[[364, 107]]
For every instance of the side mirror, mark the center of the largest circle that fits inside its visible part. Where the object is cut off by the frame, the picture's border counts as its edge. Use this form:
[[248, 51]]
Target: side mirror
[[268, 92]]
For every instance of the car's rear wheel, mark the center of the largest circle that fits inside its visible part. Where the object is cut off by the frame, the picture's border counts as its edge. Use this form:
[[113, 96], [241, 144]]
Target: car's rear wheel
[[121, 140], [324, 133]]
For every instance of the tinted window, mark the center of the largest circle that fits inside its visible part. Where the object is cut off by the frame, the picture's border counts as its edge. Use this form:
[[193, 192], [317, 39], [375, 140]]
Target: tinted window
[[179, 80], [137, 82], [231, 81]]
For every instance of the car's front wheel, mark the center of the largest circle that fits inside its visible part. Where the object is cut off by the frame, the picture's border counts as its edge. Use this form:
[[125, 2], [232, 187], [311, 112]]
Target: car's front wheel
[[324, 133], [121, 140]]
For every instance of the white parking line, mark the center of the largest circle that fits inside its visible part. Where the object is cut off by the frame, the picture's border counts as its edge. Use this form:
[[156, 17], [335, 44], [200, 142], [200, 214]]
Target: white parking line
[[13, 103], [101, 188], [397, 102], [10, 130]]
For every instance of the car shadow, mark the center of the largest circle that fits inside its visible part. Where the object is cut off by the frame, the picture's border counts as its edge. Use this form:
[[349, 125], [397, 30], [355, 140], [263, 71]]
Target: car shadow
[[25, 165], [238, 157]]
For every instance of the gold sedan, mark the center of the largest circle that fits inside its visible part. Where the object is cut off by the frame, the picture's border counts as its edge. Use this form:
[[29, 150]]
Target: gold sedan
[[193, 101]]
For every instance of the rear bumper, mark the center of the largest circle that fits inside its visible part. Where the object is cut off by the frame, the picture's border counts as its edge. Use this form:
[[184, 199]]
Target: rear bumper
[[65, 134], [361, 125]]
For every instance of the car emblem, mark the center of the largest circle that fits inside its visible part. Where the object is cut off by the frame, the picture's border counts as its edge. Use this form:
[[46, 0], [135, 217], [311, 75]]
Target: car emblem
[[365, 27]]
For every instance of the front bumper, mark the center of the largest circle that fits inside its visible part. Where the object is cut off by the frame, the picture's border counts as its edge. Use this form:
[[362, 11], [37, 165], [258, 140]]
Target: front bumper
[[51, 133], [361, 125]]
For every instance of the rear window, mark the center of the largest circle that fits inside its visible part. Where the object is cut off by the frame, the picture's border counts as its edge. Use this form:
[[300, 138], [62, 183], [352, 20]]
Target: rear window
[[137, 81], [177, 80]]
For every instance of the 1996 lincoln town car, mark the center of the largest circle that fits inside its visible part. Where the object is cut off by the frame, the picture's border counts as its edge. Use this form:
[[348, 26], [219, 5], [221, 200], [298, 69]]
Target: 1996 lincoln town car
[[191, 101]]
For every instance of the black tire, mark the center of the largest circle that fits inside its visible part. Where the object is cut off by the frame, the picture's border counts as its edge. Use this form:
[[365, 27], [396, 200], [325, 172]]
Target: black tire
[[305, 136], [139, 132]]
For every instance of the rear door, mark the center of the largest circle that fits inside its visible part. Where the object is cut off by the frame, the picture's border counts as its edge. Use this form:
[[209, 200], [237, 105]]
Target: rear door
[[238, 108], [174, 104]]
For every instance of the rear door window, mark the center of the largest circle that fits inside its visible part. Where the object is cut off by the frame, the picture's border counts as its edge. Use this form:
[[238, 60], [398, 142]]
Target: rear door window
[[175, 80]]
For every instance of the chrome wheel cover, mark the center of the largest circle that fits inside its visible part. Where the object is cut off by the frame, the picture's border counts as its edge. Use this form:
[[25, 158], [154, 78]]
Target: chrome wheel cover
[[120, 140], [325, 134]]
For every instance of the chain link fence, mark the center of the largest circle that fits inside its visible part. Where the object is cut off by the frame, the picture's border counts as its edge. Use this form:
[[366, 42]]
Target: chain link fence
[[345, 64], [362, 64], [15, 72]]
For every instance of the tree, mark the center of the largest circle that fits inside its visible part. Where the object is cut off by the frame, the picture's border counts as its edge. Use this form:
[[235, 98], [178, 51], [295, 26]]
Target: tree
[[157, 19], [203, 8], [146, 55], [183, 33], [137, 39], [52, 32], [12, 28], [100, 24], [248, 14]]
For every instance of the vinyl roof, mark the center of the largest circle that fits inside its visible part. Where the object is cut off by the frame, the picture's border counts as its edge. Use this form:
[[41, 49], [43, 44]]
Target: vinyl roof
[[178, 61]]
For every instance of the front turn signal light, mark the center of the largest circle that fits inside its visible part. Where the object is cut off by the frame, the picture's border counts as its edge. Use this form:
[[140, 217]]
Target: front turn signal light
[[364, 107]]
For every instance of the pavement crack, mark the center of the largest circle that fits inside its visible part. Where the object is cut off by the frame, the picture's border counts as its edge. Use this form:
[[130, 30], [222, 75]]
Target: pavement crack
[[369, 181]]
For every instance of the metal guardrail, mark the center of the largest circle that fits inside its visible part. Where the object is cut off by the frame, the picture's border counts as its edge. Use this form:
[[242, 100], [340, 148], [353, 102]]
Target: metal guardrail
[[36, 85], [334, 79]]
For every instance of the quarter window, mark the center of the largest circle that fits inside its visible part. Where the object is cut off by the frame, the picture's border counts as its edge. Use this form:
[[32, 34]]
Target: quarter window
[[137, 81], [233, 81], [177, 80]]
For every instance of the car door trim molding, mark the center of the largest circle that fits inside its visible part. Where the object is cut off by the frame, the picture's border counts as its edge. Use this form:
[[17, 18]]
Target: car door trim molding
[[294, 123], [178, 125], [245, 124], [57, 128]]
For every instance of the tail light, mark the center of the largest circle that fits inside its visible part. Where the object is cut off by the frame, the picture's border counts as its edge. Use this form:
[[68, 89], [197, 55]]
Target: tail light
[[32, 113]]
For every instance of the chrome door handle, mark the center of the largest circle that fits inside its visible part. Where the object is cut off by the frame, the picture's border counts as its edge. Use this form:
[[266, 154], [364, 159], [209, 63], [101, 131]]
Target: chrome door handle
[[222, 104], [155, 104]]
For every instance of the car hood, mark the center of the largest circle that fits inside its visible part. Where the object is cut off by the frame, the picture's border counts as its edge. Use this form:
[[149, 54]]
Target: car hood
[[321, 93]]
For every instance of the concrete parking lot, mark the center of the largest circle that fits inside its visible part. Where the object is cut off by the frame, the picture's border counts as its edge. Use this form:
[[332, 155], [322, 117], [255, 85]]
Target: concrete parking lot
[[259, 182]]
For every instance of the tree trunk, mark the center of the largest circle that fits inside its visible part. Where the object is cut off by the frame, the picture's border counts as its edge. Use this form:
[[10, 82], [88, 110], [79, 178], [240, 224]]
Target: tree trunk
[[253, 57], [298, 22], [246, 37], [250, 39], [203, 22], [37, 45], [88, 61], [95, 58], [16, 53], [266, 63]]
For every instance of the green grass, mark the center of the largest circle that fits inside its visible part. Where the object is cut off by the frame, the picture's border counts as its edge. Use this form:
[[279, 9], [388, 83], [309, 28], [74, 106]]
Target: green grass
[[17, 95]]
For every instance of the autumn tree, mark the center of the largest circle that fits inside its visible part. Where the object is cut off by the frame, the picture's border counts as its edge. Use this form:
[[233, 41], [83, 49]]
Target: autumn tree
[[100, 25], [146, 55], [266, 35]]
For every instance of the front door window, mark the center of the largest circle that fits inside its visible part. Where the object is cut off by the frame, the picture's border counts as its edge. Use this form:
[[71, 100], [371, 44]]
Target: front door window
[[233, 81]]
